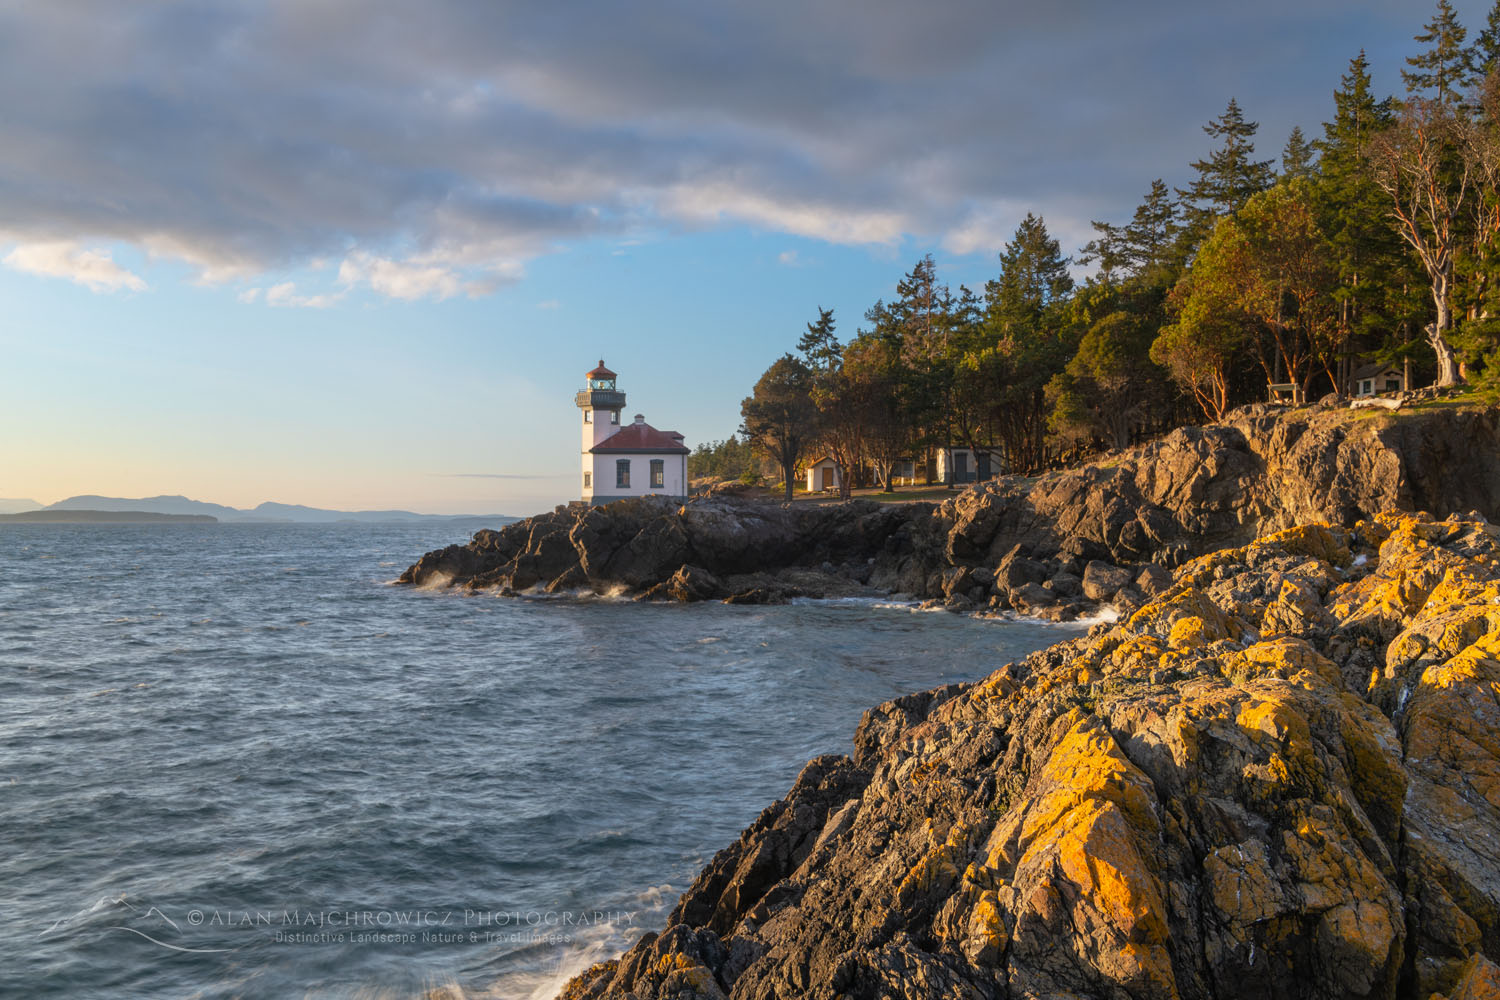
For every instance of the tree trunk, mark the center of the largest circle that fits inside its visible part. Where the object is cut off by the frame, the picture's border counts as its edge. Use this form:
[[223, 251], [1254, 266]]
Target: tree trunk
[[1447, 358], [1437, 332]]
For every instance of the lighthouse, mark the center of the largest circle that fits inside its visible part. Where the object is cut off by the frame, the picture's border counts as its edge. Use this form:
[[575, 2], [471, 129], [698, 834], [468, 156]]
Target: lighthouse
[[623, 459]]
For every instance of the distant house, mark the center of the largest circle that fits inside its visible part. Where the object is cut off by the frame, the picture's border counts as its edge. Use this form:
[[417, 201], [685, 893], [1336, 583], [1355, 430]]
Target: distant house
[[1376, 379], [968, 465], [822, 475], [632, 460]]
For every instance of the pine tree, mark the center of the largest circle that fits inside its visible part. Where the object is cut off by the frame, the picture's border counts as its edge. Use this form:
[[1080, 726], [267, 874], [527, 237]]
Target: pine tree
[[1297, 157], [1444, 68], [1033, 275], [1021, 322], [1354, 212], [819, 347], [1484, 56], [1228, 178]]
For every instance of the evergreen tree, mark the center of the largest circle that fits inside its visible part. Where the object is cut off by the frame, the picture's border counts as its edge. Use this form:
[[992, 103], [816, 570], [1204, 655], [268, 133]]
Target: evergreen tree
[[1484, 57], [1021, 323], [1354, 213], [1297, 157], [1229, 176], [1145, 248], [1033, 275], [1443, 69], [819, 346]]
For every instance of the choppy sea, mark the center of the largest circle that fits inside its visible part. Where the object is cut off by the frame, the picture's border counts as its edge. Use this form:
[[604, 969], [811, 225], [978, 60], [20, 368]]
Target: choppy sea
[[235, 761]]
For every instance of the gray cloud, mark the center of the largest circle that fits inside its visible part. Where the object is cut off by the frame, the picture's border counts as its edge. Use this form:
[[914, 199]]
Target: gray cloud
[[437, 146]]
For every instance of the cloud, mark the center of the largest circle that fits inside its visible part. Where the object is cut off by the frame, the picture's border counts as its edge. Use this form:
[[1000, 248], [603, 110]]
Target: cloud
[[788, 258], [401, 280], [549, 304], [94, 269], [433, 150], [285, 295], [249, 295]]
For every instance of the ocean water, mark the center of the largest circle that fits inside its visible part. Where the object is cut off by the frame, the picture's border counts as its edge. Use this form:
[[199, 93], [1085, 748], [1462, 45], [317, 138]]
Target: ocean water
[[236, 762]]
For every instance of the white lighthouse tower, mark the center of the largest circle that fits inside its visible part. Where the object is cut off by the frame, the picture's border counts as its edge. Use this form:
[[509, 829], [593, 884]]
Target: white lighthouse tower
[[625, 460]]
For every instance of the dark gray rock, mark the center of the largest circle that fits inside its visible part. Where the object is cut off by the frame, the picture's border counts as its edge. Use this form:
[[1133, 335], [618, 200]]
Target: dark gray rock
[[1101, 581]]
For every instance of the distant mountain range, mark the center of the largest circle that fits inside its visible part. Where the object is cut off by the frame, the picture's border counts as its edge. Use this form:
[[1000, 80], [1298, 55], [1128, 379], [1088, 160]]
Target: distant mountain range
[[266, 513]]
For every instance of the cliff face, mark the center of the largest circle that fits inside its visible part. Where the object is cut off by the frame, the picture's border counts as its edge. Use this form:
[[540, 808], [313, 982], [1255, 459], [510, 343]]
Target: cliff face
[[1280, 778], [1106, 531]]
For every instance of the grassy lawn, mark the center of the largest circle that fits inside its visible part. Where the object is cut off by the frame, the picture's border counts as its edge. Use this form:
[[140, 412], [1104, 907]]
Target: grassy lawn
[[903, 494]]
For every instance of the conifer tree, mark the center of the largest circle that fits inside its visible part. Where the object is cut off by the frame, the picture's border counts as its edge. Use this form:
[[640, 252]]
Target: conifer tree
[[1229, 176], [1354, 214], [1033, 281], [1484, 56], [1442, 70], [1297, 157], [1033, 275], [819, 346]]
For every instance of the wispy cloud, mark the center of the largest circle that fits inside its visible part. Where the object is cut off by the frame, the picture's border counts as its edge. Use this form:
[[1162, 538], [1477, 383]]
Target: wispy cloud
[[285, 294], [94, 269], [549, 304]]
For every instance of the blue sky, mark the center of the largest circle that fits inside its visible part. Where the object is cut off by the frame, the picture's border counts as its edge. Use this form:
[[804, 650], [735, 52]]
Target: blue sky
[[359, 256]]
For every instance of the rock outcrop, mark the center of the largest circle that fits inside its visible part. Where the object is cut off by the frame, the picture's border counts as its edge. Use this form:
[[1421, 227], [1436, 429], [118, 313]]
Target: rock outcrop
[[1105, 532], [1280, 777]]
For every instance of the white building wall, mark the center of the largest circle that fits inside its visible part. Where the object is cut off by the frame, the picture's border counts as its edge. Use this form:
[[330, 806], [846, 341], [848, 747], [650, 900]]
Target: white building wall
[[603, 468], [970, 462]]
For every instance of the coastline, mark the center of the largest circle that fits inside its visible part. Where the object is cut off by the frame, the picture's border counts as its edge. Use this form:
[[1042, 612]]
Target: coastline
[[1260, 712], [1239, 789]]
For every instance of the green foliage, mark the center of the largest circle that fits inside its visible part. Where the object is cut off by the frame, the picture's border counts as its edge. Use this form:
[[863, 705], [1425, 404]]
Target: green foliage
[[1229, 176], [819, 346], [1200, 348], [1442, 69], [1145, 250], [727, 459], [1484, 56], [1297, 157], [1033, 276], [1110, 386], [1380, 240], [779, 417]]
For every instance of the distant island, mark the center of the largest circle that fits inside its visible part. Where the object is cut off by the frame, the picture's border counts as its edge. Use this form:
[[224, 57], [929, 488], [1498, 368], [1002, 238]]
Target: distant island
[[159, 509], [106, 517]]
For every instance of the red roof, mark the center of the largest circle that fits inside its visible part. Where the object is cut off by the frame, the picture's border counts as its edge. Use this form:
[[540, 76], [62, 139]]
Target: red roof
[[642, 437], [601, 372]]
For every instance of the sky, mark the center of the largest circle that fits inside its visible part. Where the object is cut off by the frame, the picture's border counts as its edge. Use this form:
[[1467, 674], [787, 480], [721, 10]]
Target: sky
[[359, 255]]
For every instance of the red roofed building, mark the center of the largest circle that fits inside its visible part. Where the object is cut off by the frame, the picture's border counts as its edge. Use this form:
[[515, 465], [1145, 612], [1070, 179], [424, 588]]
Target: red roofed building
[[629, 460]]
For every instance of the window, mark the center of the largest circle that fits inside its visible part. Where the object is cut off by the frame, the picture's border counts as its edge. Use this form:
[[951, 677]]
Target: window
[[588, 416], [658, 473], [622, 473], [588, 480], [614, 416], [1393, 385]]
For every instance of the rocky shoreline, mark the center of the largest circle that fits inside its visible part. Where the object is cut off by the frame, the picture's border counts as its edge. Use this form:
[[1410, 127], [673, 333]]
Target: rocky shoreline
[[1277, 775], [1281, 778], [1055, 547]]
